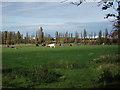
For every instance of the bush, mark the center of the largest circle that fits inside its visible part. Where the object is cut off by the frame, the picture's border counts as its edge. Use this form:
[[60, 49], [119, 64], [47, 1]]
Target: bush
[[30, 77], [108, 80]]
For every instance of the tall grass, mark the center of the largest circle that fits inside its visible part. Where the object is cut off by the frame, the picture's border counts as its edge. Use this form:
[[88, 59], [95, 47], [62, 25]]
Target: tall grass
[[30, 76], [67, 67]]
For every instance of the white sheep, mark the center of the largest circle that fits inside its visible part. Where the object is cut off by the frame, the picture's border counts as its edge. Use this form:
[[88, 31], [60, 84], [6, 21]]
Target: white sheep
[[51, 45]]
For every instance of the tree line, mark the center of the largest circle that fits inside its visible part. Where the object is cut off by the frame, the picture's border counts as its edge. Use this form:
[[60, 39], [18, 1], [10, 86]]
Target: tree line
[[83, 38]]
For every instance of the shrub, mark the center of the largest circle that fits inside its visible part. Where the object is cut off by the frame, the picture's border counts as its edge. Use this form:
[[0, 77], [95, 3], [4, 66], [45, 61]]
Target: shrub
[[108, 80], [31, 76]]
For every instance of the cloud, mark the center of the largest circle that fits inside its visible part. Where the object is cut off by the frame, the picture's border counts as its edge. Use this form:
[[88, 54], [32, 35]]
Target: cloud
[[29, 16], [55, 10], [34, 6], [48, 0], [31, 0], [6, 4], [0, 16]]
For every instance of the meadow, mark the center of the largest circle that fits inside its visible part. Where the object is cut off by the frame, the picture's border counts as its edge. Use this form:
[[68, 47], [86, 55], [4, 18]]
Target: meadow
[[88, 66]]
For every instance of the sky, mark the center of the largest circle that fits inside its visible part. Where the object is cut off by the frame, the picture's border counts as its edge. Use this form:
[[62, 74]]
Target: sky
[[53, 16]]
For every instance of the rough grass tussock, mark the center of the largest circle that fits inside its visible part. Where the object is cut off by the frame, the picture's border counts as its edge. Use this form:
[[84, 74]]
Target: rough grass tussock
[[31, 76]]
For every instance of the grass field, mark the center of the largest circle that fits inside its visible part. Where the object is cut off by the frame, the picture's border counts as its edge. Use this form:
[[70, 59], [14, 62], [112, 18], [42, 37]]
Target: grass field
[[60, 67]]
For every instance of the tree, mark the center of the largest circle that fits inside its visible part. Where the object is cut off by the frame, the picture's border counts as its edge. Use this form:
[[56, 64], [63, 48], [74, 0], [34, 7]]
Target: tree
[[5, 37], [9, 38], [18, 37], [14, 38], [76, 37], [32, 39], [106, 40], [66, 37], [94, 37], [27, 38], [56, 37], [91, 35], [81, 36], [0, 37], [49, 37], [89, 38], [36, 38], [62, 38], [106, 4], [116, 26], [40, 35], [71, 39], [85, 35], [100, 37], [71, 35]]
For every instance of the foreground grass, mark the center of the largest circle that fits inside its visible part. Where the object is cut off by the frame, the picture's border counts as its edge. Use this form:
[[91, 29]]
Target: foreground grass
[[60, 67]]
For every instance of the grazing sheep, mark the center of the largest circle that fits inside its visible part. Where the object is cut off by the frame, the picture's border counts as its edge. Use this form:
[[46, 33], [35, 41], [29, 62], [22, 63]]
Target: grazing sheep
[[14, 48], [37, 45], [43, 44], [61, 45], [70, 44], [51, 45]]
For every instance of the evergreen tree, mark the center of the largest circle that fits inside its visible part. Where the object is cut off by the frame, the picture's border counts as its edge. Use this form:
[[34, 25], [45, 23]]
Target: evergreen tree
[[49, 37], [9, 38], [0, 37], [5, 37], [32, 39], [18, 37], [40, 35], [100, 37], [106, 40], [13, 40], [27, 38], [36, 38], [85, 35], [76, 37], [94, 38], [89, 38], [56, 37], [66, 37]]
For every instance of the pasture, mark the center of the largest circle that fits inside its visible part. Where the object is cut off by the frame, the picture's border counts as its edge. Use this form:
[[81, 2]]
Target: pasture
[[59, 67]]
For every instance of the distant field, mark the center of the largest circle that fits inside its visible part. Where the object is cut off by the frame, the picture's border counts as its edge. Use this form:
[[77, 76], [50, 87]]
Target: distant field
[[67, 67]]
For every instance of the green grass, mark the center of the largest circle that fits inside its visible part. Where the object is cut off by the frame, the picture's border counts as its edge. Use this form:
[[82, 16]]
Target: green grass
[[72, 63]]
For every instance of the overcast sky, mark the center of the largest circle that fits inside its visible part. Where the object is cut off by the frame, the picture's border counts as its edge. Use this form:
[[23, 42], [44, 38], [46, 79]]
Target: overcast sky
[[53, 16]]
